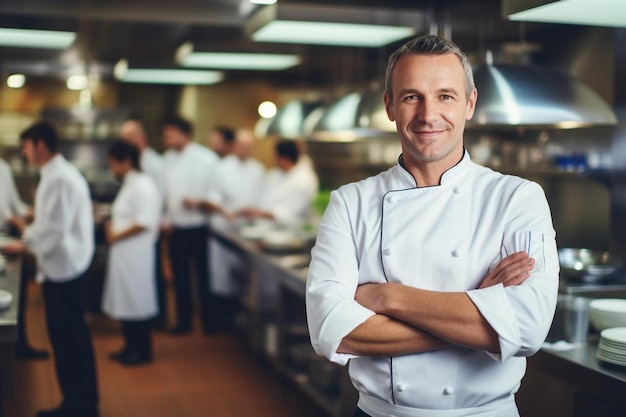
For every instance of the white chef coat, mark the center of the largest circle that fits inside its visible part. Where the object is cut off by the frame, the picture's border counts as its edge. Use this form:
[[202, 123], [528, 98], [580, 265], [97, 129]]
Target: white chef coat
[[130, 286], [442, 238], [187, 174], [236, 185], [62, 235], [288, 195], [10, 203], [152, 164]]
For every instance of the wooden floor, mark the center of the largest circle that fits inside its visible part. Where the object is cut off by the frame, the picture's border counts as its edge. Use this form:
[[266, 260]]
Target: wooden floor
[[192, 376]]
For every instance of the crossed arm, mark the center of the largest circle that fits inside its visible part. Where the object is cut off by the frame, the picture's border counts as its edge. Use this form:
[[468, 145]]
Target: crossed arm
[[411, 320]]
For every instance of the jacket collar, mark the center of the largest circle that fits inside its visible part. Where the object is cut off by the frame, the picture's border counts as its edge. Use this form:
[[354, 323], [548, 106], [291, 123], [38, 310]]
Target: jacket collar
[[452, 176]]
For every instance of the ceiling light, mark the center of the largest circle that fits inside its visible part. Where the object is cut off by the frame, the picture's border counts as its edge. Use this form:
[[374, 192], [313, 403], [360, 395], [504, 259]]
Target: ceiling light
[[581, 12], [16, 81], [28, 38], [263, 1], [76, 82], [234, 60], [165, 76], [267, 110], [339, 26]]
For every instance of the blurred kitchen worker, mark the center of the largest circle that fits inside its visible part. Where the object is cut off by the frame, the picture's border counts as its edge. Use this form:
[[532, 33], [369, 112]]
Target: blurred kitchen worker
[[188, 171], [62, 239], [13, 216], [421, 275], [288, 190], [237, 183], [130, 293], [222, 140], [151, 162]]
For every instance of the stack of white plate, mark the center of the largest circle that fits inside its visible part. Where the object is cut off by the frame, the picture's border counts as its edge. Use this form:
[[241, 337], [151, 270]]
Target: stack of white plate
[[612, 347]]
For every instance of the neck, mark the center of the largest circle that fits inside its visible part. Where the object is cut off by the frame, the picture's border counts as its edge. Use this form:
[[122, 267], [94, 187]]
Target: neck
[[44, 159], [428, 174]]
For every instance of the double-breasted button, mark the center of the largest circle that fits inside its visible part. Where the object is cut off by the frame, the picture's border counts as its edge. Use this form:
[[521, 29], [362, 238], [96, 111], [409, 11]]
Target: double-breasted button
[[392, 199], [456, 253], [387, 252], [401, 387], [457, 190], [448, 390]]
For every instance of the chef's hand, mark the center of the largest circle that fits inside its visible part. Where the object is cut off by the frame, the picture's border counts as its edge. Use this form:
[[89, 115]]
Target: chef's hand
[[14, 248], [108, 232], [191, 203], [166, 229], [18, 223], [512, 270]]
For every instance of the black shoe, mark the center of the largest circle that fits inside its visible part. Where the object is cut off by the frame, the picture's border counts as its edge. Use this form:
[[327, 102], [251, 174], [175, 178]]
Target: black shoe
[[118, 356], [179, 330], [134, 359], [68, 412], [28, 353]]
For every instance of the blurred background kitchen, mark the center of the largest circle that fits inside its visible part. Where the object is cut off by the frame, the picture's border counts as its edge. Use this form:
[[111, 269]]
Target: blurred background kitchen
[[551, 108]]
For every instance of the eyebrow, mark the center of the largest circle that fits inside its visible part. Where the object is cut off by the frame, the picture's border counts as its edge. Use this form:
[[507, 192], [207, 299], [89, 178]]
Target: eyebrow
[[446, 90]]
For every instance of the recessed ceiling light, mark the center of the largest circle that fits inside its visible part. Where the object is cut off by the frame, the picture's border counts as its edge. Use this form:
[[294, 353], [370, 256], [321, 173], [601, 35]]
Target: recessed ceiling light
[[263, 1], [171, 76], [239, 61], [581, 12], [28, 38], [76, 82], [332, 25], [16, 80], [329, 33], [267, 109]]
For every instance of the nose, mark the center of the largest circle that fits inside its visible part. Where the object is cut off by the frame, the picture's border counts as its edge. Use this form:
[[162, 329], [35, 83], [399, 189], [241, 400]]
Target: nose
[[428, 111]]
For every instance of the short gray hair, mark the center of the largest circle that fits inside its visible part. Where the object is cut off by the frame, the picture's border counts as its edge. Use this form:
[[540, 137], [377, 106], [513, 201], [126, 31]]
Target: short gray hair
[[429, 45]]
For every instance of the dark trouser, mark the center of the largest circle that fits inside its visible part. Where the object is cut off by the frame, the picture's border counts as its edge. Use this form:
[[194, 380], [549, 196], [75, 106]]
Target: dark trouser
[[359, 413], [161, 318], [137, 337], [25, 271], [190, 245], [71, 344]]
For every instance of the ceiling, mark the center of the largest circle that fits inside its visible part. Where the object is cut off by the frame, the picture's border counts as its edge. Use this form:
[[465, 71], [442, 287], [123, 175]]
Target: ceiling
[[148, 32]]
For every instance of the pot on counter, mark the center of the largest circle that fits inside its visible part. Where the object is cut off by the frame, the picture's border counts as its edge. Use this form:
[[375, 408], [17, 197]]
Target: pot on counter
[[587, 265]]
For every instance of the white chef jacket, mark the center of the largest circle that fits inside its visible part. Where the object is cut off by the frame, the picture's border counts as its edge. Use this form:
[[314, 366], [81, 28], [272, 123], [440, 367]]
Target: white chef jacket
[[10, 203], [130, 286], [236, 185], [62, 235], [288, 195], [442, 238], [152, 164], [187, 174]]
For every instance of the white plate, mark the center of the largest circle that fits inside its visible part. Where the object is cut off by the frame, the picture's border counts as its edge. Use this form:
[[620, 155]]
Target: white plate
[[614, 334], [611, 360], [609, 305], [5, 298]]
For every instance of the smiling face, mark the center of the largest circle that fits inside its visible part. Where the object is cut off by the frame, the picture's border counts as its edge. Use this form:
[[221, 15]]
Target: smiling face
[[430, 107]]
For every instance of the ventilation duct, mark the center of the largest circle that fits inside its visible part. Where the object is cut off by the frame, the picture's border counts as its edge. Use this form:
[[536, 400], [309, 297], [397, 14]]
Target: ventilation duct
[[511, 95]]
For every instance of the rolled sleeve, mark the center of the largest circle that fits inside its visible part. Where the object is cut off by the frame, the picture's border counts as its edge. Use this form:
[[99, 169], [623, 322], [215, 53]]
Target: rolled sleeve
[[521, 315], [332, 281]]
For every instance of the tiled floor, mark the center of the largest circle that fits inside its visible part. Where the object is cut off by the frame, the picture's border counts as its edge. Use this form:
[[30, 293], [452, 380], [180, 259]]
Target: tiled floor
[[192, 376]]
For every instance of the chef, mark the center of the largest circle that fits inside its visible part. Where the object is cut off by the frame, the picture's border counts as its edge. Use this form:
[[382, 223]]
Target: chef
[[436, 278], [237, 184], [10, 203], [288, 190], [130, 293], [62, 239], [133, 131], [189, 168]]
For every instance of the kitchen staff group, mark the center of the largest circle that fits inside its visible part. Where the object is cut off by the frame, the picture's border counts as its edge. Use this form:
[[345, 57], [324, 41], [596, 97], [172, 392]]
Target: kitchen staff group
[[172, 198]]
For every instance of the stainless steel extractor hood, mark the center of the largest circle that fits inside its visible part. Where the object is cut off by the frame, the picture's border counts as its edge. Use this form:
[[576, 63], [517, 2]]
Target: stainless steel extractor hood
[[512, 95]]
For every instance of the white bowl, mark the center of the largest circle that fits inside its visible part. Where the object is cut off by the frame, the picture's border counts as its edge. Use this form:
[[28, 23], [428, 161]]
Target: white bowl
[[605, 313], [5, 299]]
